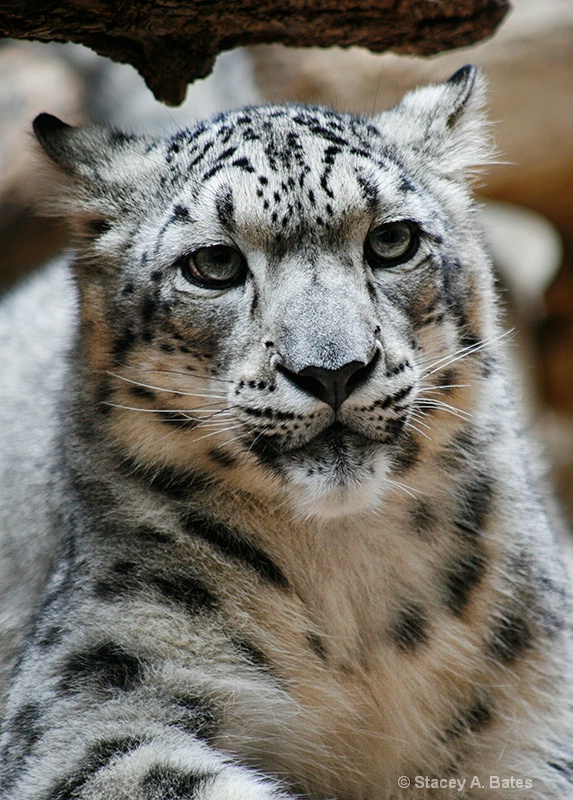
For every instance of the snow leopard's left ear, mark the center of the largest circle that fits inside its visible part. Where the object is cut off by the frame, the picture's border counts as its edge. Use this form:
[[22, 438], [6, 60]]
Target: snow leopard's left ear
[[444, 122], [97, 170]]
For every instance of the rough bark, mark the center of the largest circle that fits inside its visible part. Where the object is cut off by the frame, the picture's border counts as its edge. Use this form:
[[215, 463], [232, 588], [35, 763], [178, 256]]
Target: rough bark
[[172, 42]]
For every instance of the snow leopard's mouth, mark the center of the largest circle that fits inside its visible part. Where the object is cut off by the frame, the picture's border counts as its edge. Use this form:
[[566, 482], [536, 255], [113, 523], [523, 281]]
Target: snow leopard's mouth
[[337, 472], [337, 443]]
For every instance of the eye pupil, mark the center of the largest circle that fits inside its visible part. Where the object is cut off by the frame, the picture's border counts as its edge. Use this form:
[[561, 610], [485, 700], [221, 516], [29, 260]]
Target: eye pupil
[[391, 244], [216, 267]]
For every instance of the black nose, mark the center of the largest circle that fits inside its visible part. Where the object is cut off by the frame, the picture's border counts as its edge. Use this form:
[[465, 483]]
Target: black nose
[[332, 386]]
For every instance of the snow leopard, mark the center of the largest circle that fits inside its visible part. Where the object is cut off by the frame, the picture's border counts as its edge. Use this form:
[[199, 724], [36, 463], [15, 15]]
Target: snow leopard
[[272, 526]]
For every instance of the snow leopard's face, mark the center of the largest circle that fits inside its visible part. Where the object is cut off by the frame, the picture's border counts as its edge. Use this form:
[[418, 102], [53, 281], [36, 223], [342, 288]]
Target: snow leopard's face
[[276, 296]]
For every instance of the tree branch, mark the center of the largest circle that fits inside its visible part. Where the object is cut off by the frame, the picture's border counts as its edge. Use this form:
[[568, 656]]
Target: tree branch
[[173, 42]]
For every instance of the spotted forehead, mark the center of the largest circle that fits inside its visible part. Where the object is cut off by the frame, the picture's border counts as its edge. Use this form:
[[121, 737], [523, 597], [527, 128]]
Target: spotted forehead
[[302, 166]]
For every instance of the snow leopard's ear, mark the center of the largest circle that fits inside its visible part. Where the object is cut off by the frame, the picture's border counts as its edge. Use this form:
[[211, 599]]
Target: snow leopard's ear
[[98, 169], [444, 122]]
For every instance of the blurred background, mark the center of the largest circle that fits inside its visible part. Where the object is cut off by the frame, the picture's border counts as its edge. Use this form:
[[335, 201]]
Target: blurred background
[[527, 196]]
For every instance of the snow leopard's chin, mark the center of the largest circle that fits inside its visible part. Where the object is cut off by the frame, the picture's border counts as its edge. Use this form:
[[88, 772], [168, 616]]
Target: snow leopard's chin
[[338, 474]]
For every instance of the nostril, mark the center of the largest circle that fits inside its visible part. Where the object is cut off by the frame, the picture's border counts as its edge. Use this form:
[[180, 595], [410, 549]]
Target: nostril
[[308, 383], [363, 373], [332, 386]]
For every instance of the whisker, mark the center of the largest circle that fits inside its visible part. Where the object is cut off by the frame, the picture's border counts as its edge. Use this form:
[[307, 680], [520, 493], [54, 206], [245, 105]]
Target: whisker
[[419, 416], [415, 428], [439, 404], [440, 388], [437, 365], [186, 412], [168, 391], [185, 373], [409, 490], [214, 433]]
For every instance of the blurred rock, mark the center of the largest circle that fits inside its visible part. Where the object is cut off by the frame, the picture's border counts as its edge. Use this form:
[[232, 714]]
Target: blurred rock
[[31, 81]]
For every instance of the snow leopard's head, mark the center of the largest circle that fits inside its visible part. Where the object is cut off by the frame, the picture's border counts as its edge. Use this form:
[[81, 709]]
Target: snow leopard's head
[[279, 297]]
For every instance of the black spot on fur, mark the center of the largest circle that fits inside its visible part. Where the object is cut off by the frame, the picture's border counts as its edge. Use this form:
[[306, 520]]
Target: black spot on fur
[[423, 517], [225, 206], [222, 458], [25, 731], [252, 654], [184, 590], [97, 757], [98, 226], [50, 636], [564, 766], [244, 164], [407, 454], [196, 715], [177, 420], [478, 716], [475, 503], [147, 533], [181, 213], [123, 343], [510, 638], [266, 448], [107, 666], [254, 302], [169, 783], [394, 427], [149, 307], [233, 546], [178, 485], [317, 646], [462, 574], [126, 577], [473, 718], [141, 392], [410, 628], [469, 340]]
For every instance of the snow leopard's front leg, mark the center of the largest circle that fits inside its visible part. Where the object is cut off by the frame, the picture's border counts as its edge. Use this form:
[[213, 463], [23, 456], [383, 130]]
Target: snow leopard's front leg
[[168, 766], [140, 700], [118, 756]]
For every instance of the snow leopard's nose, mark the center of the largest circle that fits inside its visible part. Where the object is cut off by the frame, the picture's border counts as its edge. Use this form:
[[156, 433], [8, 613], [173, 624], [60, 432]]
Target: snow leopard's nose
[[332, 386]]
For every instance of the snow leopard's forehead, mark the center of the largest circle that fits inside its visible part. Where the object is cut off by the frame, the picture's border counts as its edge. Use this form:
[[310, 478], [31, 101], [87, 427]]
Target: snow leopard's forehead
[[307, 172]]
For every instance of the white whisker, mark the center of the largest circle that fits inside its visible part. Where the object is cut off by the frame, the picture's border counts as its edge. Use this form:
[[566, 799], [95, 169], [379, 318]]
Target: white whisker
[[432, 388], [168, 391], [188, 411], [439, 404], [215, 433], [419, 416], [409, 490], [437, 365], [186, 373], [415, 428]]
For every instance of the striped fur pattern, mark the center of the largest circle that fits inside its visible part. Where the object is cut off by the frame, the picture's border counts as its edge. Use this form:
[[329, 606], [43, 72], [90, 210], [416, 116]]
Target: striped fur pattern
[[293, 541]]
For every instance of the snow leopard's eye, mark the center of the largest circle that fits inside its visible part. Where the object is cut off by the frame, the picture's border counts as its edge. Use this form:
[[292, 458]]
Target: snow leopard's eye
[[217, 267], [391, 244]]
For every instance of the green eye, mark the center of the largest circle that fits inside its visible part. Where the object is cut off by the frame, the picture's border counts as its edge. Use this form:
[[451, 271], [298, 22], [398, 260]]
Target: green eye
[[218, 267], [391, 244]]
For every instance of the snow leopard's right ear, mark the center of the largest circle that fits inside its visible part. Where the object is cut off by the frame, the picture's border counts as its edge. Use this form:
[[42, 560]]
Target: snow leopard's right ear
[[444, 124], [99, 170]]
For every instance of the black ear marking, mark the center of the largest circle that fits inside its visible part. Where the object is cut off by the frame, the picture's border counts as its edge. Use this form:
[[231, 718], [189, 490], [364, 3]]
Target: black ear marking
[[51, 133], [463, 81]]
